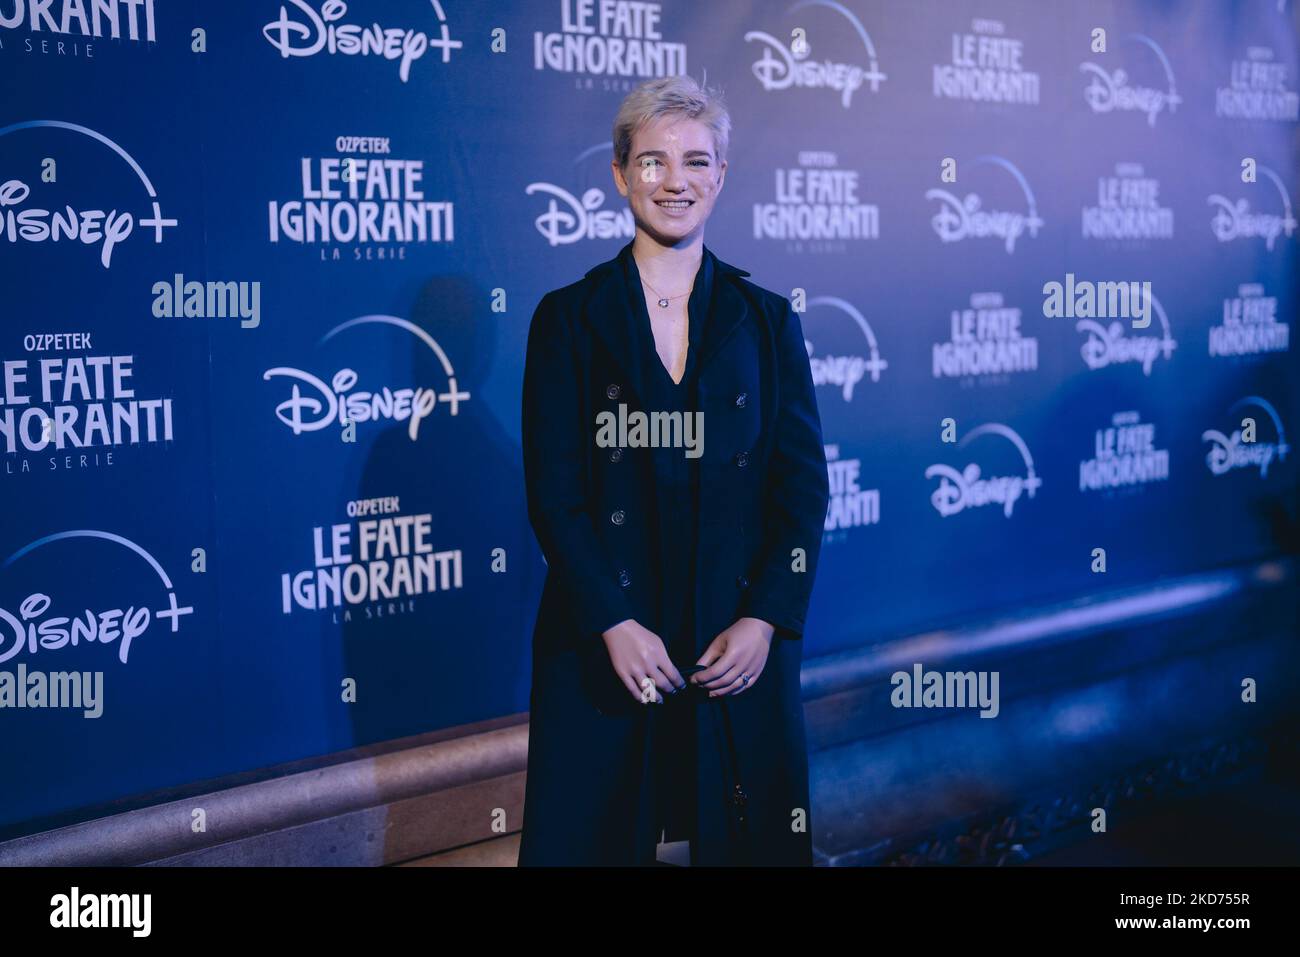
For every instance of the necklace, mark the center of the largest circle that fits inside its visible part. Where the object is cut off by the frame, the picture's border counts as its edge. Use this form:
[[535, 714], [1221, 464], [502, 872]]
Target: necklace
[[663, 300]]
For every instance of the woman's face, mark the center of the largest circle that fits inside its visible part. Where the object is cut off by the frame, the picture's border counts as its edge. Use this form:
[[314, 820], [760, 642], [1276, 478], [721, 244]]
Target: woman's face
[[672, 179]]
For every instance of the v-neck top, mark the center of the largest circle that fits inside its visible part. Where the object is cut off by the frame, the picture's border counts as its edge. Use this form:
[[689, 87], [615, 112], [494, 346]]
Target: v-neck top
[[675, 528], [676, 477], [698, 306]]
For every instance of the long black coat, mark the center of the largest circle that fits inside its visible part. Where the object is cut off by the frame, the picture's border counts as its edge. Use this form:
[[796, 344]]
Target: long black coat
[[762, 505]]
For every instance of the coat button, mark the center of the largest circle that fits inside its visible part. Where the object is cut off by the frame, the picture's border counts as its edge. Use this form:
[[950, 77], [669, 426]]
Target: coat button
[[741, 400], [617, 517], [616, 455], [624, 578], [742, 581], [742, 459], [612, 391]]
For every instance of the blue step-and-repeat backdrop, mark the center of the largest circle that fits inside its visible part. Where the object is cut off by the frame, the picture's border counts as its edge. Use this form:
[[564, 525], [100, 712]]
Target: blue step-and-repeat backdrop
[[267, 270]]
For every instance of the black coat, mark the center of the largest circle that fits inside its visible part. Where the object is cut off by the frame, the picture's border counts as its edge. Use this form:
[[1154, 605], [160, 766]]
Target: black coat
[[762, 503]]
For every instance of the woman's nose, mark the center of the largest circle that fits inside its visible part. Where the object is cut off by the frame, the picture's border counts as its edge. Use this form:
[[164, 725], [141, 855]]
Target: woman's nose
[[674, 180]]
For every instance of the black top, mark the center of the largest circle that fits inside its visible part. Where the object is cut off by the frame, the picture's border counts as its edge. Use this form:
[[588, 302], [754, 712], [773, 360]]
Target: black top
[[676, 484], [676, 477]]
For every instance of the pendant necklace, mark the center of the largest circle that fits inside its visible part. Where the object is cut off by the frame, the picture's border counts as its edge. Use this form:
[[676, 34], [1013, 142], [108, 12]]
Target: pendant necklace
[[678, 332], [663, 300]]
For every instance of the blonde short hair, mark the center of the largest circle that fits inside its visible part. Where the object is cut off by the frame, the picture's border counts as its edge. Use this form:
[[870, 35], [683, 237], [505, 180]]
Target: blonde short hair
[[665, 96]]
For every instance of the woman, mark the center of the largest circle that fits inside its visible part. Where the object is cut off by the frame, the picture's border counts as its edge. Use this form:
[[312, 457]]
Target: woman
[[700, 549]]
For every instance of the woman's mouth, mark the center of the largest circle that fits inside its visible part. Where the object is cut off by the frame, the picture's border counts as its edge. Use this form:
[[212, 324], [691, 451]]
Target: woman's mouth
[[674, 205]]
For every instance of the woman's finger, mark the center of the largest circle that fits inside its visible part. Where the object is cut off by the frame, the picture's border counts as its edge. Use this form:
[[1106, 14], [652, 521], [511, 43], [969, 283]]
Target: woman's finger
[[668, 678], [665, 666], [633, 688], [744, 680], [753, 669], [712, 653], [716, 675], [650, 690]]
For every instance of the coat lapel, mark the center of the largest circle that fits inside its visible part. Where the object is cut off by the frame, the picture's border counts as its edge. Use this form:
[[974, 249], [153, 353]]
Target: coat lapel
[[606, 312], [730, 309]]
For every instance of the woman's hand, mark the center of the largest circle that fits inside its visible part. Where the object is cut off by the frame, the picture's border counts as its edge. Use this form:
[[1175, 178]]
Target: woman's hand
[[735, 658], [636, 654]]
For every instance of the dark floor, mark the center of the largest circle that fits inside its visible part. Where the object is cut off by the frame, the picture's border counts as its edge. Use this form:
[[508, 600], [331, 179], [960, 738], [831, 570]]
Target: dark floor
[[1253, 819]]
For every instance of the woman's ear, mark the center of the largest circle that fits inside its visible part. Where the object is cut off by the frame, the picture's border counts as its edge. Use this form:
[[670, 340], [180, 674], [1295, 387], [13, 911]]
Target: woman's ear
[[619, 180]]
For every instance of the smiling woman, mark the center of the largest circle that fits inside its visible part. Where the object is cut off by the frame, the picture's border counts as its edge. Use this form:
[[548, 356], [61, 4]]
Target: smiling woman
[[661, 564], [679, 161]]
